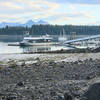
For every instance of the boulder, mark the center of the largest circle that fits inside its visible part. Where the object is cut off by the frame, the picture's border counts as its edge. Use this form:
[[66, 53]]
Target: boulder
[[68, 96], [93, 92], [21, 84]]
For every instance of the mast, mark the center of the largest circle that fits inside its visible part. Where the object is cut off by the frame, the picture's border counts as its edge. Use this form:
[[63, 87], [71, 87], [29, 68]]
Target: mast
[[62, 36]]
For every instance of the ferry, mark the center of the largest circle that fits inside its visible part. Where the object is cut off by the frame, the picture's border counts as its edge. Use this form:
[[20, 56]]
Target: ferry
[[37, 41]]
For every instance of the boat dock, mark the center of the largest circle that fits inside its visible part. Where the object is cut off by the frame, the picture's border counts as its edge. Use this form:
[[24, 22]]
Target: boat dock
[[35, 44], [13, 44]]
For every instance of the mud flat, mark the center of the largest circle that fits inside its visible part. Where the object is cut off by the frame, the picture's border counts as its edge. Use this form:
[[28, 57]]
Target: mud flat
[[50, 76]]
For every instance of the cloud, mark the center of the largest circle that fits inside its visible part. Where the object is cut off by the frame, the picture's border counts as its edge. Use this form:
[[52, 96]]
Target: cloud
[[70, 17], [72, 7], [73, 15], [78, 1], [27, 8], [85, 1], [54, 11], [9, 6]]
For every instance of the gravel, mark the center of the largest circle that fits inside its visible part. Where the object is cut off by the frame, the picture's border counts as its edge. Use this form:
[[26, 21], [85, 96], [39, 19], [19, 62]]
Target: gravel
[[48, 77]]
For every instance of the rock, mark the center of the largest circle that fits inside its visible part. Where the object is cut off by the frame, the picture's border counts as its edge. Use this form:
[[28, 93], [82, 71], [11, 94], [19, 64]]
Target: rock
[[62, 66], [60, 98], [32, 97], [37, 59], [20, 63], [37, 64], [20, 84], [46, 99], [51, 63], [30, 62], [23, 64], [93, 92], [67, 96], [1, 94], [91, 59], [76, 62], [12, 65], [89, 77], [11, 98], [52, 93]]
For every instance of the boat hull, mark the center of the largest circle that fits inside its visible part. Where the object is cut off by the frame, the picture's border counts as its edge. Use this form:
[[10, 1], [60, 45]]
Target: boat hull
[[38, 44]]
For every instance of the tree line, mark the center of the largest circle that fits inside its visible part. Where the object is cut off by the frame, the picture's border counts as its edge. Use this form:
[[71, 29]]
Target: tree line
[[51, 30]]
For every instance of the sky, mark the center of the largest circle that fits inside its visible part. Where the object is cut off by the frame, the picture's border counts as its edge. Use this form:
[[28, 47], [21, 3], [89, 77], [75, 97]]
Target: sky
[[61, 12]]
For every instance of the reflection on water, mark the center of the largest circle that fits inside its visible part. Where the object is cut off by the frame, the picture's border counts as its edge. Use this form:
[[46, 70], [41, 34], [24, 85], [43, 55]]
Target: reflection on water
[[43, 48], [9, 49], [17, 49], [36, 49]]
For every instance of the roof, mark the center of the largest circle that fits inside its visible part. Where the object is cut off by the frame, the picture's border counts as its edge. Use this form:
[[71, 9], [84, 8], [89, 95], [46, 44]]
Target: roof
[[38, 38]]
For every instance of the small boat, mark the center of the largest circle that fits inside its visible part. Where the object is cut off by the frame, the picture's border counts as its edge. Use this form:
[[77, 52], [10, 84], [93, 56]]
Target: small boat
[[37, 41]]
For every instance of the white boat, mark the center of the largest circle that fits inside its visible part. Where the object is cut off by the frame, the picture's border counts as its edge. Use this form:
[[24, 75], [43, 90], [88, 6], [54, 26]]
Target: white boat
[[37, 41]]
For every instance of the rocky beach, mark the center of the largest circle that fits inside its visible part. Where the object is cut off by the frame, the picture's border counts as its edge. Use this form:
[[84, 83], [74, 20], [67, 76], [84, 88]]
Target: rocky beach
[[74, 76]]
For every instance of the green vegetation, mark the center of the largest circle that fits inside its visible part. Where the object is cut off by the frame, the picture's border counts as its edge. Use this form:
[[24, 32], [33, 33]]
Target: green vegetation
[[51, 29]]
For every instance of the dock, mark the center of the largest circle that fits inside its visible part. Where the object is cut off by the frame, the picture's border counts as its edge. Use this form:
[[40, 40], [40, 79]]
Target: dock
[[34, 44], [13, 44]]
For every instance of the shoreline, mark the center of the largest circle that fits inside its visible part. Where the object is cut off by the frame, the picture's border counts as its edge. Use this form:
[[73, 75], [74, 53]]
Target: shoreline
[[49, 76], [56, 57]]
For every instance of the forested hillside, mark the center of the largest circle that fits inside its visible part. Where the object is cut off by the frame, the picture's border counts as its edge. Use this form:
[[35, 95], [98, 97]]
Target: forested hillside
[[51, 30]]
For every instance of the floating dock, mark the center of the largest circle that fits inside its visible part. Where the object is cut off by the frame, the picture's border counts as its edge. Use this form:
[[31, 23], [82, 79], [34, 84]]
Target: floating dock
[[13, 44], [35, 44]]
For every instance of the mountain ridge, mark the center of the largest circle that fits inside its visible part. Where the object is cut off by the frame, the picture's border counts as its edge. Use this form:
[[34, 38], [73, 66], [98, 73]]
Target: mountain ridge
[[29, 23]]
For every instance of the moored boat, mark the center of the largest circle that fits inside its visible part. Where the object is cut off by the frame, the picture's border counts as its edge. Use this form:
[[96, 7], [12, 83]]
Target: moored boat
[[37, 41]]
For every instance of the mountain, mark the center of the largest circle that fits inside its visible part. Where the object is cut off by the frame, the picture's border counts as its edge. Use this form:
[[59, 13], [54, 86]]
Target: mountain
[[42, 22], [29, 23], [4, 24]]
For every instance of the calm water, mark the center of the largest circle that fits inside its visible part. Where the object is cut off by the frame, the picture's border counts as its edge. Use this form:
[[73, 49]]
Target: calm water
[[5, 49], [9, 49], [4, 40]]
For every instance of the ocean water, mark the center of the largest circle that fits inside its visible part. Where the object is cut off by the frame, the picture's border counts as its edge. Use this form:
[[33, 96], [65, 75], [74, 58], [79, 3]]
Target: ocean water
[[5, 49]]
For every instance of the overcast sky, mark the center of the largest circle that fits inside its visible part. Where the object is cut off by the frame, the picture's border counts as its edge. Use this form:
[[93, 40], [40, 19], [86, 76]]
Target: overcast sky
[[54, 11]]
